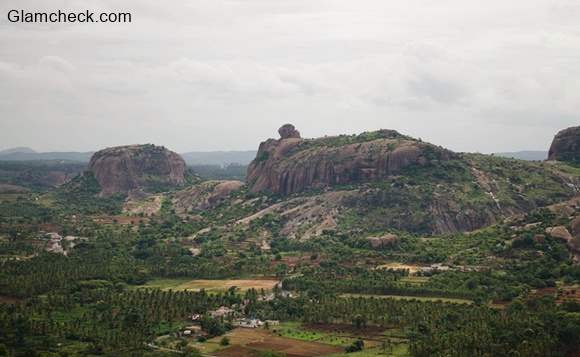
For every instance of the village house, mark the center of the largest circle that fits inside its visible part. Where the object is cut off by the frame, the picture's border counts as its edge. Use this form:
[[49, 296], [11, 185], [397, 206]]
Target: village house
[[249, 323], [267, 297], [192, 331], [195, 317], [437, 267], [223, 311]]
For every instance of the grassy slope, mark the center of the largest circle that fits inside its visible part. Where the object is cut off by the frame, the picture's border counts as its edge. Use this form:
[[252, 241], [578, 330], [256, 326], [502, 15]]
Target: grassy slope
[[472, 191]]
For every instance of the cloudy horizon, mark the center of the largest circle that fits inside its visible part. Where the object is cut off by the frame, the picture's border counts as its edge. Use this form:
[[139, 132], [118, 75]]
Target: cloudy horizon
[[206, 75]]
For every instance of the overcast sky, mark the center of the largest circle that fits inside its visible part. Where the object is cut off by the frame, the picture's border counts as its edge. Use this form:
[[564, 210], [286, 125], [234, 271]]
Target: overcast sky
[[471, 75]]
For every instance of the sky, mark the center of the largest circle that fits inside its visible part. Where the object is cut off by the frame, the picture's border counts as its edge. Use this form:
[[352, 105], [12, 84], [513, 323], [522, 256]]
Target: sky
[[470, 75]]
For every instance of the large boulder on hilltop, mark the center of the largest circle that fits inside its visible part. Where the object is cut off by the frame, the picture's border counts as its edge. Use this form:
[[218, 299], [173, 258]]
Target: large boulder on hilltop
[[288, 131], [124, 169], [292, 164], [566, 146]]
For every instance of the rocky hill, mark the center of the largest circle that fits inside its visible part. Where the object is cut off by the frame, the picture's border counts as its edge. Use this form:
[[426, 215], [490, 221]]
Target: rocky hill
[[292, 164], [125, 169], [566, 146], [368, 184], [358, 186]]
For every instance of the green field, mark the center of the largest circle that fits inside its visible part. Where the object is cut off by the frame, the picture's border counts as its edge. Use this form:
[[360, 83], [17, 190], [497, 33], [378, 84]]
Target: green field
[[297, 331], [420, 298]]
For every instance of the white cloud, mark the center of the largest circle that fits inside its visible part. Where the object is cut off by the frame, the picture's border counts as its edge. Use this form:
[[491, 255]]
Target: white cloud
[[223, 74]]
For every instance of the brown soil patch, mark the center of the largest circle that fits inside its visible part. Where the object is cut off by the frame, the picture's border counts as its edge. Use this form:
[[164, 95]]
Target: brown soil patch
[[499, 304], [568, 293], [123, 220], [8, 300], [50, 227], [237, 351], [246, 343], [399, 266], [294, 260], [296, 348], [242, 284], [543, 292]]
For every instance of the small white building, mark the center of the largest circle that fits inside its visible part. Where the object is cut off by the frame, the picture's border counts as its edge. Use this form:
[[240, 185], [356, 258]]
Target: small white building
[[249, 323], [267, 297]]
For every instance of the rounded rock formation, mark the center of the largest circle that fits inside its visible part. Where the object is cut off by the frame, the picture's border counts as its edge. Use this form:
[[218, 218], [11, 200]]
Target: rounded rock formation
[[566, 146], [292, 164], [288, 131], [124, 169]]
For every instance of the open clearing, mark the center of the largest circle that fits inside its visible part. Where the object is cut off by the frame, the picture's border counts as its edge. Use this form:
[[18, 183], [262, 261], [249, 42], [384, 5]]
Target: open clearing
[[122, 220], [406, 297], [249, 342], [8, 300], [399, 266], [10, 197], [212, 285]]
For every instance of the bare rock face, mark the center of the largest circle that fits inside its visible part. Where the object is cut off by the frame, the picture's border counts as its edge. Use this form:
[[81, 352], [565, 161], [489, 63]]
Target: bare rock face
[[575, 225], [136, 167], [566, 146], [292, 164], [559, 232], [205, 195], [386, 240], [572, 242]]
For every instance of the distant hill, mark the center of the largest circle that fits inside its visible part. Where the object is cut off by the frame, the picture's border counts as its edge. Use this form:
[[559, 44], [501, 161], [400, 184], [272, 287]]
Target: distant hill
[[15, 155], [529, 155], [17, 150], [221, 158], [37, 174]]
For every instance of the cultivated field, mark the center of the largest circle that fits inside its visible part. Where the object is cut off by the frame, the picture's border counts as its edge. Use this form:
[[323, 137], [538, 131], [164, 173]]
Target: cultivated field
[[378, 341], [212, 285], [249, 342]]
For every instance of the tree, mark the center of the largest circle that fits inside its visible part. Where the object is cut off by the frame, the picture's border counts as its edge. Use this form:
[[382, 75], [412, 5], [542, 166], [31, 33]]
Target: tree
[[192, 352], [356, 346]]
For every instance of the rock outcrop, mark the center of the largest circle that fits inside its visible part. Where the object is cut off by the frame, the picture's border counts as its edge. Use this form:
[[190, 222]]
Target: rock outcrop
[[288, 131], [567, 212], [572, 242], [205, 195], [566, 146], [387, 240], [292, 164], [137, 167]]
